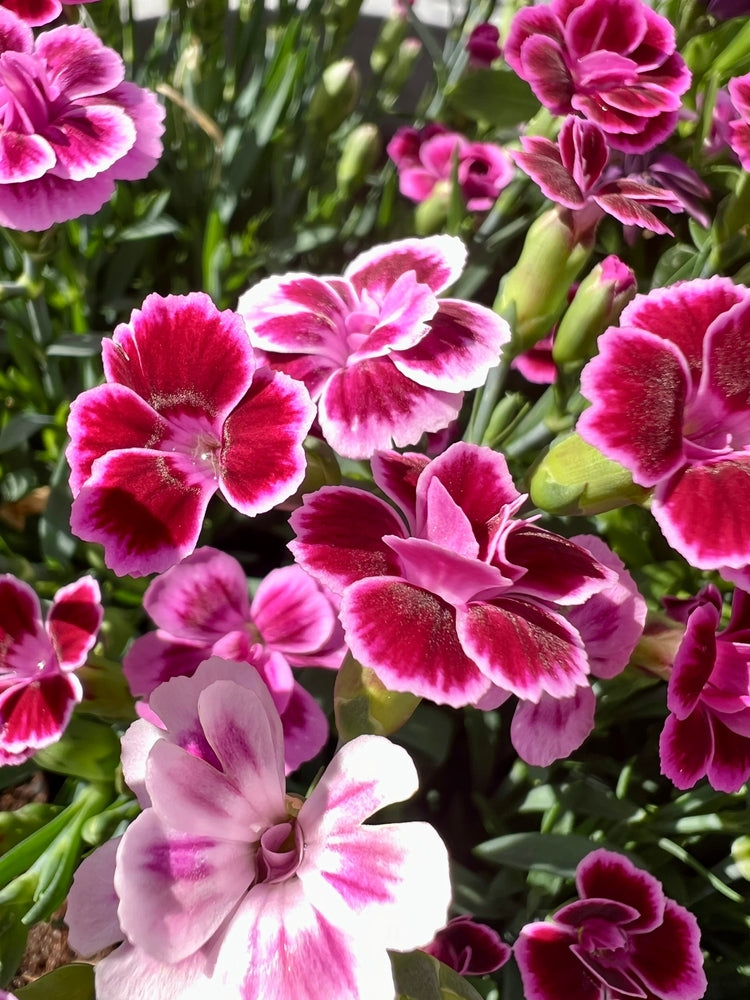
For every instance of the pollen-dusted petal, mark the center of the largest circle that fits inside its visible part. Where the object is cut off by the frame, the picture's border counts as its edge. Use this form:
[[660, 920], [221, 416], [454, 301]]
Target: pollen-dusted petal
[[176, 889], [340, 536], [694, 661], [34, 714], [370, 406], [145, 507], [523, 647], [638, 386], [725, 375], [436, 261], [73, 621], [553, 728], [407, 635], [262, 460], [686, 747], [721, 487], [608, 875], [668, 960], [549, 969], [180, 353]]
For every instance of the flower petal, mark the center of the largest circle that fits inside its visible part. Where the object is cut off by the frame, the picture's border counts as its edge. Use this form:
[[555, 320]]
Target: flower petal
[[92, 140], [729, 767], [549, 969], [78, 63], [73, 621], [686, 747], [305, 726], [694, 662], [91, 911], [436, 261], [553, 728], [156, 657], [291, 612], [20, 615], [668, 959], [606, 874]]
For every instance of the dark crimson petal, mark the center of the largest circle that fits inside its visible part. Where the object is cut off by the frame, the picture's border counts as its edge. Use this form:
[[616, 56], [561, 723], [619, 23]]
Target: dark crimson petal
[[524, 648], [546, 170], [397, 476], [34, 715], [471, 948], [583, 152], [556, 568], [146, 508], [180, 353], [686, 748], [549, 969], [630, 208], [436, 261], [20, 615], [108, 418], [694, 662], [605, 874], [340, 536], [638, 386], [609, 910], [618, 26], [729, 767], [615, 980], [262, 459], [544, 67], [408, 637], [704, 512], [74, 620], [668, 959]]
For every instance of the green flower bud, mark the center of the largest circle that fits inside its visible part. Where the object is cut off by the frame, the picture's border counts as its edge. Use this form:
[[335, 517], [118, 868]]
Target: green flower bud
[[431, 214], [363, 704], [601, 297], [336, 95], [392, 34], [359, 155], [741, 856], [574, 478]]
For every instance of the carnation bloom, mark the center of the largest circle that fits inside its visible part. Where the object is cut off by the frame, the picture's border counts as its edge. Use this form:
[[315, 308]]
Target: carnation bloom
[[708, 696], [614, 62], [384, 358], [201, 607], [71, 125], [37, 12], [38, 689], [622, 938], [483, 169], [670, 401], [574, 173], [185, 411], [459, 600], [224, 882]]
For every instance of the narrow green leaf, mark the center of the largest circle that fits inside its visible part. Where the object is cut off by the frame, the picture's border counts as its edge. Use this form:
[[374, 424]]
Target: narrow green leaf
[[21, 428], [495, 96], [558, 854]]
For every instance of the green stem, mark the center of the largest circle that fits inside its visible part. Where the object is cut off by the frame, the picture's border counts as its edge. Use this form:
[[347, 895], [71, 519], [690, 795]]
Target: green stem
[[485, 401]]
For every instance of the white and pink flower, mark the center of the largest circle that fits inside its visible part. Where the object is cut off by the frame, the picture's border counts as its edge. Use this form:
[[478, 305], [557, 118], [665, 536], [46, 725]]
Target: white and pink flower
[[225, 882], [38, 659], [383, 357]]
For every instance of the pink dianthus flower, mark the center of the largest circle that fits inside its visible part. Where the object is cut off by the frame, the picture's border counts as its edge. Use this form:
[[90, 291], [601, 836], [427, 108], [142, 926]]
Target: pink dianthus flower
[[225, 885], [38, 12]]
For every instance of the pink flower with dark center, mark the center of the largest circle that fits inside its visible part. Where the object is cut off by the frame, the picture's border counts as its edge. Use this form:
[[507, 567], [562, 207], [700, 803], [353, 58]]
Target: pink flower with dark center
[[185, 411], [455, 599], [483, 168], [708, 695], [575, 173], [622, 938], [739, 128], [670, 395], [202, 608], [483, 45], [70, 125], [38, 686], [383, 357], [614, 62], [227, 885], [38, 12], [468, 947]]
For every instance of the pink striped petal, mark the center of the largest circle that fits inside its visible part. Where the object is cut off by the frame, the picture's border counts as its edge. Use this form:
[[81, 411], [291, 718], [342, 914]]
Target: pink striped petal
[[340, 536], [291, 612], [91, 911], [156, 657], [436, 261], [15, 34], [524, 648], [553, 728], [20, 615], [34, 715], [728, 380], [74, 620], [604, 874], [90, 141], [453, 577], [24, 157], [77, 62], [131, 972], [262, 460], [407, 635], [397, 476], [305, 726], [146, 508]]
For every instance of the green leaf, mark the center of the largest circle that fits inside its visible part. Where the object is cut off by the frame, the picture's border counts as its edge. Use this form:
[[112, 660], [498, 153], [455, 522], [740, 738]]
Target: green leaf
[[69, 982], [13, 937], [495, 96], [21, 428], [21, 823], [558, 854], [87, 749], [419, 976]]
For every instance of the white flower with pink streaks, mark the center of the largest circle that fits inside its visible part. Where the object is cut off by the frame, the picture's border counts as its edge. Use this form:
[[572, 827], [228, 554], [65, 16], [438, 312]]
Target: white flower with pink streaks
[[226, 883]]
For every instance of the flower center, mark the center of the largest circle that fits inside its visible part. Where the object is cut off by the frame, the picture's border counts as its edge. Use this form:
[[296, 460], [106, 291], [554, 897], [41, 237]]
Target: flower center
[[280, 852], [192, 436]]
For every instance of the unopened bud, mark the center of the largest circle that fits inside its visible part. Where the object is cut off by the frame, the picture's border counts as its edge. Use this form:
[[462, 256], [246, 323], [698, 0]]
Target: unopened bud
[[336, 95], [601, 297], [359, 154]]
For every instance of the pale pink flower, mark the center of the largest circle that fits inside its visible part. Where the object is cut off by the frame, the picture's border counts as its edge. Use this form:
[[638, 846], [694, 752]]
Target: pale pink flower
[[385, 359], [225, 883], [70, 124], [38, 685]]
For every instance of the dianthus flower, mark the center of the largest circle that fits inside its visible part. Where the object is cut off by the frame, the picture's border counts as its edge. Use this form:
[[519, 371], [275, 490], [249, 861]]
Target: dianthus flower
[[670, 395], [225, 883], [201, 607], [38, 686], [384, 358], [38, 12], [739, 128], [614, 62], [708, 695], [483, 169], [458, 600], [622, 938], [483, 45], [468, 947], [185, 411], [70, 124]]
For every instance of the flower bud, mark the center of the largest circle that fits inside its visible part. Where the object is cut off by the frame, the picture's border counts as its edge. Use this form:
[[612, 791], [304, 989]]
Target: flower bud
[[336, 95], [359, 155], [601, 297], [401, 66], [658, 646], [574, 478], [533, 294], [363, 704], [741, 856], [392, 34], [430, 215]]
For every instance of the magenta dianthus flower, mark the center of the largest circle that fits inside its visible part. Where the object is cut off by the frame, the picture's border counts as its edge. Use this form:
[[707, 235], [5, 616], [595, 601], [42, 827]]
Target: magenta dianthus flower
[[483, 45], [226, 883], [614, 62], [708, 695], [185, 411], [670, 395], [71, 124], [622, 938], [468, 947], [38, 686], [383, 357]]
